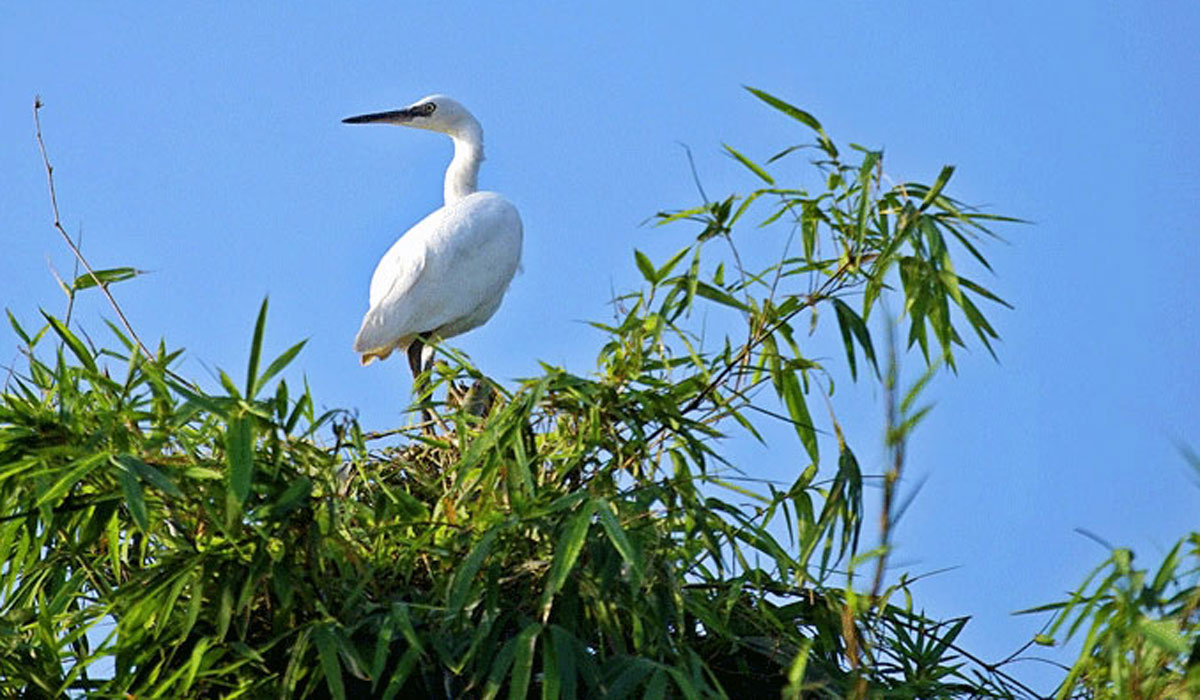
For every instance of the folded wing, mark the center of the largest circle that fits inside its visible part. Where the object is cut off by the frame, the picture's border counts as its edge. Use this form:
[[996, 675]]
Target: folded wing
[[445, 276]]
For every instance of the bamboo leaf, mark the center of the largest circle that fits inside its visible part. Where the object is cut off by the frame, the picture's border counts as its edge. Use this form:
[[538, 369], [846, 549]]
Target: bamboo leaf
[[797, 670], [403, 670], [670, 264], [720, 296], [751, 165], [616, 535], [239, 456], [964, 282], [327, 650], [847, 340], [77, 471], [106, 277], [132, 489], [278, 365], [788, 388], [646, 267], [570, 543], [464, 575], [938, 185], [801, 116], [75, 344], [260, 326], [852, 324], [794, 112], [1164, 634], [522, 669], [16, 326], [149, 474]]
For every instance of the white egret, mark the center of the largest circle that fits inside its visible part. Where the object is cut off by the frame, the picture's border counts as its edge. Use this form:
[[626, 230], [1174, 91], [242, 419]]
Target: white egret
[[448, 274]]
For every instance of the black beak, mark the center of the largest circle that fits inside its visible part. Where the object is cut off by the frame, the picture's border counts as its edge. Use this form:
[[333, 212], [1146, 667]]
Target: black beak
[[396, 116]]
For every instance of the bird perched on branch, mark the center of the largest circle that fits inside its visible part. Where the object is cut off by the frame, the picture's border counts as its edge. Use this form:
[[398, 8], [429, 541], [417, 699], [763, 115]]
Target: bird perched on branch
[[448, 274]]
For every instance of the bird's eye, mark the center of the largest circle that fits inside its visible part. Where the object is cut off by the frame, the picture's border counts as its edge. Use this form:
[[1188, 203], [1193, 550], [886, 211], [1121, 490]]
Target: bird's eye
[[428, 108]]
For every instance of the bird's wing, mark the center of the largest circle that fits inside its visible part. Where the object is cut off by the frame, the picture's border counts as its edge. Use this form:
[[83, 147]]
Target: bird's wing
[[446, 275], [399, 268], [476, 262], [388, 320]]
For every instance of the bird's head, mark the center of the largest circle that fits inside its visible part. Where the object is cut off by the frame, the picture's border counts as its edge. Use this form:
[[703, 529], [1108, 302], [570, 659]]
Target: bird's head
[[435, 113]]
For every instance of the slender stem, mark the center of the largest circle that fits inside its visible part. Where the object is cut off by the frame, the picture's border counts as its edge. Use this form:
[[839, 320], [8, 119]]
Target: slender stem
[[895, 441], [37, 105]]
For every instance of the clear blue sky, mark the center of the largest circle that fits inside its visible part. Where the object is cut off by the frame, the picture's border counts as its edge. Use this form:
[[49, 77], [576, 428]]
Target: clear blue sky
[[203, 143]]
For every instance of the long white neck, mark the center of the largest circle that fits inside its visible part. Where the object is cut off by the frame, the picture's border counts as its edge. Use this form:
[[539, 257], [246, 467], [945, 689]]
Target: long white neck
[[463, 172]]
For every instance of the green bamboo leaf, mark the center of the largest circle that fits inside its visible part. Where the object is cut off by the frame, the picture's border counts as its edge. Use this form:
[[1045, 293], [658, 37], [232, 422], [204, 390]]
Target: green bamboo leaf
[[113, 532], [616, 535], [570, 543], [552, 682], [666, 218], [148, 474], [197, 657], [646, 267], [228, 384], [464, 575], [1166, 571], [399, 613], [962, 239], [799, 115], [78, 470], [720, 296], [851, 323], [794, 112], [225, 606], [292, 496], [938, 185], [106, 277], [327, 650], [522, 669], [303, 408], [847, 340], [980, 324], [278, 365], [12, 321], [501, 662], [656, 688], [750, 199], [1164, 634], [403, 670], [208, 403], [751, 165], [239, 454], [948, 638], [75, 344], [632, 673], [787, 151], [788, 388], [797, 670], [134, 499], [260, 326], [981, 291], [670, 264]]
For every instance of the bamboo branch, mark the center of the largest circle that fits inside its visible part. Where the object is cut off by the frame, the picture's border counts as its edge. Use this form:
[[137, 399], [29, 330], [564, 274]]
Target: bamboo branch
[[103, 286]]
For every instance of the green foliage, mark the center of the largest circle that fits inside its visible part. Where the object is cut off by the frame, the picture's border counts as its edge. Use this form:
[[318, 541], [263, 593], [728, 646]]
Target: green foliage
[[575, 536], [1141, 633]]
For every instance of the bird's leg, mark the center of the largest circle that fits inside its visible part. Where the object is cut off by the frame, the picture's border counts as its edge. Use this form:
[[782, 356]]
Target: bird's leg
[[420, 361], [416, 351]]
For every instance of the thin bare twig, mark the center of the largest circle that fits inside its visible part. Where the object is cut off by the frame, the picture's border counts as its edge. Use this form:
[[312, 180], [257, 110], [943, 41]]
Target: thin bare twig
[[74, 276], [37, 106]]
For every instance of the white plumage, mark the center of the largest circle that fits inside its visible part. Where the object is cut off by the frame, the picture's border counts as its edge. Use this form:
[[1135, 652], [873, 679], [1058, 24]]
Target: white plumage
[[448, 274]]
